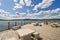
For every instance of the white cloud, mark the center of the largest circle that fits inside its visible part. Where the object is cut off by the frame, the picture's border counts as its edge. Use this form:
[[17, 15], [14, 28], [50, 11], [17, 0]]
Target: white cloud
[[15, 0], [56, 10], [4, 15], [28, 2], [44, 14], [21, 4], [50, 12], [40, 15], [43, 4], [17, 6]]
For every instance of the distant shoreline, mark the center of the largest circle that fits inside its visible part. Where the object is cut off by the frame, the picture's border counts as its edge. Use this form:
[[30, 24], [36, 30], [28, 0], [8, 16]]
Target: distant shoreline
[[28, 19]]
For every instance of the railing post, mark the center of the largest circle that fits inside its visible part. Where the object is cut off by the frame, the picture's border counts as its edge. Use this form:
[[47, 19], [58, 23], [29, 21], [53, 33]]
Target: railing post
[[15, 23], [8, 25]]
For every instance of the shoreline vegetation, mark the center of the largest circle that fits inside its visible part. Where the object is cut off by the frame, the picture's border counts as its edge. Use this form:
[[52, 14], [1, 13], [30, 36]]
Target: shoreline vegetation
[[27, 19]]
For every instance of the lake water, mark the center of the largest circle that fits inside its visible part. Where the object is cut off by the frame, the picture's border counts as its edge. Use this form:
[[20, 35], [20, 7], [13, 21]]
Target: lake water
[[4, 24]]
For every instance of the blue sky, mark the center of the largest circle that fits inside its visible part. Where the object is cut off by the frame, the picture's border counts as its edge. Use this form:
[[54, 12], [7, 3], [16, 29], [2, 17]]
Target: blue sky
[[32, 7]]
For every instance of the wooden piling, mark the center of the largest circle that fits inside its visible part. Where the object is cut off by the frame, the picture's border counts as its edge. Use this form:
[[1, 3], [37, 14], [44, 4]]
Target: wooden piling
[[46, 22], [15, 23], [8, 25]]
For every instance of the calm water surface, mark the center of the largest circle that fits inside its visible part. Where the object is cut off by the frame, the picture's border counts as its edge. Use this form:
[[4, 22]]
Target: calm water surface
[[4, 24]]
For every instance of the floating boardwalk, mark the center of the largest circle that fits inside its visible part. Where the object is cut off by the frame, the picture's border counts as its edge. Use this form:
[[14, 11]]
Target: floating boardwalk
[[46, 31]]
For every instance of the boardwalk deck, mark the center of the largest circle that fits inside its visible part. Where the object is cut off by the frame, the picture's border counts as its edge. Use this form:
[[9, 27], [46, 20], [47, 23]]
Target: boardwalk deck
[[46, 31]]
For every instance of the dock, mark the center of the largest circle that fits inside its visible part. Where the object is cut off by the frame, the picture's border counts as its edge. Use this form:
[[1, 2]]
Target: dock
[[46, 31]]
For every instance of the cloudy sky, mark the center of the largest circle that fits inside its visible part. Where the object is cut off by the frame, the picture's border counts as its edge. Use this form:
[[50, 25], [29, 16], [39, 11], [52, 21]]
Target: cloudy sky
[[29, 9]]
